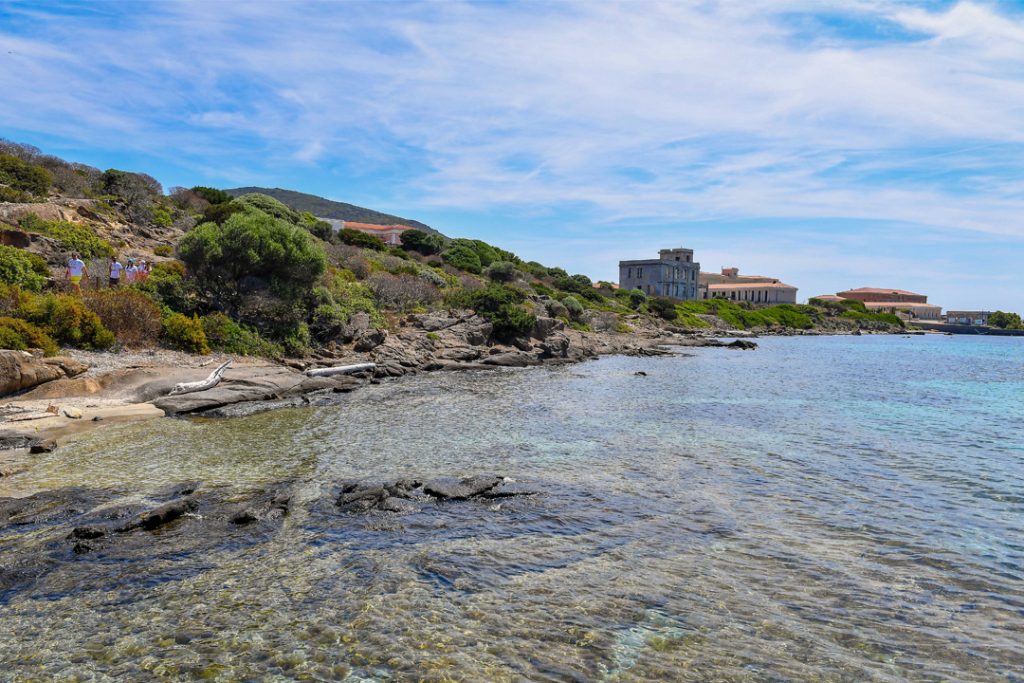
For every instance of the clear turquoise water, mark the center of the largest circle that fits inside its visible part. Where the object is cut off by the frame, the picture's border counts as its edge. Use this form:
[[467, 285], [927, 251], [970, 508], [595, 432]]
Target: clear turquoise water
[[835, 509]]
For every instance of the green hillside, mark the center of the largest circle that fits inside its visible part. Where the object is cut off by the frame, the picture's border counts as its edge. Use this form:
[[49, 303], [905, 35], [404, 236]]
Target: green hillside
[[326, 208]]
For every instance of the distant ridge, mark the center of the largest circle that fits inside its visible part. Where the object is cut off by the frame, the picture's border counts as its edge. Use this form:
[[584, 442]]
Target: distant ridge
[[326, 208]]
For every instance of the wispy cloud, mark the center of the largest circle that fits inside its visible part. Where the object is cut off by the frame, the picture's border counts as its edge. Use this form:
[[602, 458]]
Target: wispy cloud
[[907, 114]]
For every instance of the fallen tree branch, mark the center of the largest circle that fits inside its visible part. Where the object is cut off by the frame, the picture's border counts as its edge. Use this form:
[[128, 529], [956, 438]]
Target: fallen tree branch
[[202, 385], [340, 370]]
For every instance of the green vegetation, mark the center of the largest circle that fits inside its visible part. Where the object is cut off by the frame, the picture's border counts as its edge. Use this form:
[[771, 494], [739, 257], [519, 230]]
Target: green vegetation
[[224, 334], [182, 332], [464, 258], [361, 239], [64, 318], [422, 242], [164, 250], [1006, 321], [22, 181], [132, 316], [22, 335], [500, 305], [71, 236], [18, 267]]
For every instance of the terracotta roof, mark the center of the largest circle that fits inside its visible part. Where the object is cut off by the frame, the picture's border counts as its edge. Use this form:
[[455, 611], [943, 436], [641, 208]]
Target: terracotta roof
[[878, 290], [829, 297], [750, 285], [898, 304], [373, 226]]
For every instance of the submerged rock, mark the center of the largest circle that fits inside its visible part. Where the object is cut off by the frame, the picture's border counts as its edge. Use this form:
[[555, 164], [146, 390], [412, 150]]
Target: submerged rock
[[742, 344], [451, 488]]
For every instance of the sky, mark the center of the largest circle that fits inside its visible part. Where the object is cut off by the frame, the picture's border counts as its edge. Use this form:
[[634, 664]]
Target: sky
[[832, 144]]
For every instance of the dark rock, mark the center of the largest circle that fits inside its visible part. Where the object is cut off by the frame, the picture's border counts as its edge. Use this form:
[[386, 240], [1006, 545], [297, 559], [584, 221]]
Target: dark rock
[[98, 418], [555, 346], [370, 339], [399, 505], [243, 517], [742, 344], [543, 328], [451, 488], [87, 532], [159, 516], [512, 359], [507, 489], [45, 446], [11, 440], [640, 373]]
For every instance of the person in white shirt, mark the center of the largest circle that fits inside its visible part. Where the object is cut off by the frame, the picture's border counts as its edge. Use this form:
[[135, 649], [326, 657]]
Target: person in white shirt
[[76, 269], [115, 271], [131, 271]]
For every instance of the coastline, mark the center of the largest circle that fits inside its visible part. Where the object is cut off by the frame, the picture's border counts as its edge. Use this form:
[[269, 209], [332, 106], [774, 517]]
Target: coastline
[[131, 386]]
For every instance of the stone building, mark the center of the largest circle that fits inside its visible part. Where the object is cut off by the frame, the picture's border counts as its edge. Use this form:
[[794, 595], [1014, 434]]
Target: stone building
[[673, 274], [390, 234], [758, 289], [978, 318], [907, 305]]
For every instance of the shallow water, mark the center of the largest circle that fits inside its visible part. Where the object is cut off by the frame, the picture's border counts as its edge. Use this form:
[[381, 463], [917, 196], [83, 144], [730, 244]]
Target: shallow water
[[833, 509]]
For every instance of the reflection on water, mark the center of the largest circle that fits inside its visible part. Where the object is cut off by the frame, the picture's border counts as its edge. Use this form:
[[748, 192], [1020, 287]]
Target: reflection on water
[[821, 509]]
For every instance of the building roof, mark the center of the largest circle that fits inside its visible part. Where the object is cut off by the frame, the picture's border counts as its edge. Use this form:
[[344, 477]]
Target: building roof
[[879, 290], [969, 312], [898, 304], [750, 285], [828, 297], [373, 226]]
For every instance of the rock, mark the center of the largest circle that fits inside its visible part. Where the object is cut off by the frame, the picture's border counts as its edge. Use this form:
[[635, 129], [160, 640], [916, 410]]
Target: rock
[[159, 516], [11, 440], [357, 324], [451, 488], [87, 532], [73, 413], [44, 446], [512, 359], [742, 344], [370, 339], [545, 326], [555, 346], [522, 343], [20, 370], [640, 373], [11, 470]]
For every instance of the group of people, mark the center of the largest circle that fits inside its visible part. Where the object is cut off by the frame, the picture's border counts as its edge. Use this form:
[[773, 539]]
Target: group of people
[[134, 272]]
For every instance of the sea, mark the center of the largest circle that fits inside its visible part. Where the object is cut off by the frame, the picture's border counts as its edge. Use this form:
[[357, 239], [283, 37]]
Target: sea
[[818, 509]]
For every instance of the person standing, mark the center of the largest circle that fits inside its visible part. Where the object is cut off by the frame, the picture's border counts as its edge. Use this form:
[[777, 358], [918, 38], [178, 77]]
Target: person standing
[[115, 271], [76, 269], [131, 271]]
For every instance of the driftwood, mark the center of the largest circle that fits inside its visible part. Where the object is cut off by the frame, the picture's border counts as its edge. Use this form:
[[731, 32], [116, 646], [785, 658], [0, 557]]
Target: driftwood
[[340, 370], [202, 385]]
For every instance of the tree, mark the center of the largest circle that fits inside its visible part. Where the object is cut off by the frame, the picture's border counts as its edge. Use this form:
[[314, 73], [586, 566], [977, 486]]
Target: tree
[[269, 205], [422, 242], [212, 194], [251, 244], [361, 239], [462, 257], [24, 177], [1006, 321], [662, 307], [136, 190]]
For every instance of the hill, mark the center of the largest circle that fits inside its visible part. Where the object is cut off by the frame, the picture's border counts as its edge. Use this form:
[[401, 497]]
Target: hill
[[327, 208]]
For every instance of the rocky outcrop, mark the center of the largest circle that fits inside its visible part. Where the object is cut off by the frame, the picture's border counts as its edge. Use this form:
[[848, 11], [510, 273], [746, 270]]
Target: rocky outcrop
[[20, 370], [407, 496]]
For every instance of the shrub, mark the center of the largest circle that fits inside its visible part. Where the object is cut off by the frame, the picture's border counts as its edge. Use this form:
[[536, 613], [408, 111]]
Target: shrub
[[72, 236], [67, 319], [327, 322], [163, 250], [128, 313], [462, 257], [20, 335], [168, 287], [573, 306], [361, 239], [298, 342], [17, 267], [1006, 321], [422, 242], [402, 291], [502, 271], [637, 298], [500, 306], [24, 177], [511, 321], [224, 334], [251, 244], [212, 194], [182, 332], [218, 213], [662, 307], [270, 206], [162, 215]]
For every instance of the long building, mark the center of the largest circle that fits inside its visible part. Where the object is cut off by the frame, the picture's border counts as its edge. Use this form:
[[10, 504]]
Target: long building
[[673, 274], [907, 305], [758, 289], [390, 234]]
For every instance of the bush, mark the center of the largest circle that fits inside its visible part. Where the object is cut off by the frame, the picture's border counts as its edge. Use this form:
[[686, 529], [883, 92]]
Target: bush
[[163, 250], [128, 313], [637, 298], [212, 194], [224, 334], [72, 236], [502, 271], [269, 206], [17, 267], [251, 244], [402, 291], [361, 239], [422, 242], [218, 213], [182, 332], [162, 215], [298, 342], [21, 335], [1006, 321], [327, 322], [500, 306], [512, 321], [574, 306], [662, 307], [23, 177], [67, 319], [462, 257]]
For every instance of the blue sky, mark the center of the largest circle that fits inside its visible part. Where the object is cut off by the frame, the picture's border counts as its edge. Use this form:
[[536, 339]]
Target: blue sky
[[832, 144]]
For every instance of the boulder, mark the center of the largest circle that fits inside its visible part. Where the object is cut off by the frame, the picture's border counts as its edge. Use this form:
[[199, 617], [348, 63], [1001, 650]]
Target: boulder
[[20, 370], [512, 359], [44, 446], [159, 516], [742, 344], [545, 326], [451, 488], [370, 339]]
